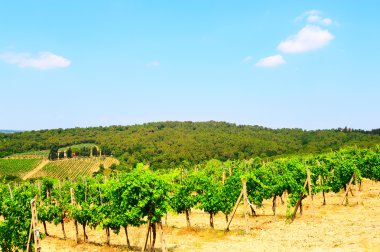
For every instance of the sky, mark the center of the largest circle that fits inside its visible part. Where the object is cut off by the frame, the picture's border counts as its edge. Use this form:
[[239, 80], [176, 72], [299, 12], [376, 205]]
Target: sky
[[279, 64]]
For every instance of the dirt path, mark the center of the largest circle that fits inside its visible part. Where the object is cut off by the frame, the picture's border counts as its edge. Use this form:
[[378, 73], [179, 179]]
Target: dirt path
[[35, 170]]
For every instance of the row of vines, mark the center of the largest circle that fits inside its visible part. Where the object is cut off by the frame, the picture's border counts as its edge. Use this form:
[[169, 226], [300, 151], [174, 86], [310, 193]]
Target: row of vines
[[17, 167], [74, 168], [144, 197]]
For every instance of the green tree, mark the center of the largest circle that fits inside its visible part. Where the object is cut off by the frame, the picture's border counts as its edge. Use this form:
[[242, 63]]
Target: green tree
[[95, 151], [53, 154], [69, 153]]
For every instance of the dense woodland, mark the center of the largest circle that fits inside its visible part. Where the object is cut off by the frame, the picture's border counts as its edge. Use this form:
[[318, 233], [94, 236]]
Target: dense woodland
[[168, 144]]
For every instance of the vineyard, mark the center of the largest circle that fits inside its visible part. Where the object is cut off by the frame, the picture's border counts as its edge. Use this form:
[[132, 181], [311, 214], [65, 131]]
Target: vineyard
[[126, 201], [314, 231], [74, 168], [17, 167]]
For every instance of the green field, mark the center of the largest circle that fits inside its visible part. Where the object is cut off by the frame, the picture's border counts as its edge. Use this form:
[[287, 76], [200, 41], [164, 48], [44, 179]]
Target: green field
[[74, 167], [17, 167]]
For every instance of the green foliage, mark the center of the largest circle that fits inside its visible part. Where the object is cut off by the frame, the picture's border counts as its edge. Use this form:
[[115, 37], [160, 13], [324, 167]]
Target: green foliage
[[94, 151], [14, 228], [10, 178], [53, 154], [230, 192], [184, 196], [69, 153], [165, 145], [113, 167], [100, 171], [84, 151], [141, 195], [210, 194]]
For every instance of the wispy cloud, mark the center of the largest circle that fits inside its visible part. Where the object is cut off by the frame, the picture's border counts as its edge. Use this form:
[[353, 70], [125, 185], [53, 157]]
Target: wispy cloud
[[314, 16], [271, 61], [307, 39], [43, 61], [310, 37], [155, 63], [248, 59]]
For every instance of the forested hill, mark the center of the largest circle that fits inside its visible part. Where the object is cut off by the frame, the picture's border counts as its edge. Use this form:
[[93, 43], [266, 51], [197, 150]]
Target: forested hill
[[166, 144]]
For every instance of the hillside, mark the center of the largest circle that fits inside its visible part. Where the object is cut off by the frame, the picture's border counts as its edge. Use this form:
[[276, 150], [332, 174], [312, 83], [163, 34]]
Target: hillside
[[167, 144]]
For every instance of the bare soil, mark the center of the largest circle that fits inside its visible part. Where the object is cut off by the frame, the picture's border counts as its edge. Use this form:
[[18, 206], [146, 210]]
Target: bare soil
[[333, 227]]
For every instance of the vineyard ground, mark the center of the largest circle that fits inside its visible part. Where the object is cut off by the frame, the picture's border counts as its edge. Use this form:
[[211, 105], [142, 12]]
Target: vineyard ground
[[36, 169], [71, 168], [333, 227]]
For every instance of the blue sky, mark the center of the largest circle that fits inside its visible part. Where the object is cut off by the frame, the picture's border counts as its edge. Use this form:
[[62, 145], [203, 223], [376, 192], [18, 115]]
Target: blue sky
[[296, 64]]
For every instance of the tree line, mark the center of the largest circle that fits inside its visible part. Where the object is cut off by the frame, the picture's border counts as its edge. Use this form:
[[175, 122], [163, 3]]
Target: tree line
[[167, 144], [85, 151]]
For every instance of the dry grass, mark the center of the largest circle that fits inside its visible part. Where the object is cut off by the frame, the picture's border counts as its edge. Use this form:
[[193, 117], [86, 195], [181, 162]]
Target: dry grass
[[355, 227]]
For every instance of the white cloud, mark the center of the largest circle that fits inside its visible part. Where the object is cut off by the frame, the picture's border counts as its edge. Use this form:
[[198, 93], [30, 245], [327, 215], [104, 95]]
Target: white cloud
[[326, 21], [43, 61], [271, 61], [248, 59], [307, 39], [306, 14], [314, 16], [155, 63]]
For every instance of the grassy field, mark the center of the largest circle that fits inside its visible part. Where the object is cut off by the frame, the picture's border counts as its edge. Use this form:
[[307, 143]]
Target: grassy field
[[332, 227], [17, 167], [74, 167]]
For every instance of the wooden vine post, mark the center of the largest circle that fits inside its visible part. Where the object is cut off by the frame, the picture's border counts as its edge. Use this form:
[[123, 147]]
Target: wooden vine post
[[309, 182], [163, 243], [323, 191], [73, 203], [10, 191], [299, 202], [36, 232], [223, 181], [234, 210], [274, 203], [348, 188], [358, 188], [309, 187], [147, 236], [245, 196]]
